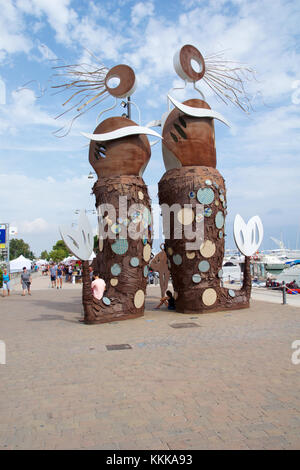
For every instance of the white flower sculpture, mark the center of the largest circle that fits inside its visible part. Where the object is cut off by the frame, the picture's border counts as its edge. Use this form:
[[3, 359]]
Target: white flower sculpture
[[80, 242], [248, 237]]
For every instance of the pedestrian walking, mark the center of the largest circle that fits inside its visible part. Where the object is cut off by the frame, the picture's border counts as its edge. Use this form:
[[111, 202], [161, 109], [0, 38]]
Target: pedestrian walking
[[26, 281], [53, 275], [59, 274], [6, 283]]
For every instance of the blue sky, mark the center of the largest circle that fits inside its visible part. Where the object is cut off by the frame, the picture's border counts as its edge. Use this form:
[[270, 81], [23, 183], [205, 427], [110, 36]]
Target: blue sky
[[43, 179]]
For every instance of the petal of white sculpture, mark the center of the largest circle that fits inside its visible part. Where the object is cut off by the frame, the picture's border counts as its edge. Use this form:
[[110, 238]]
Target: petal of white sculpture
[[122, 132], [198, 112], [245, 234], [80, 242]]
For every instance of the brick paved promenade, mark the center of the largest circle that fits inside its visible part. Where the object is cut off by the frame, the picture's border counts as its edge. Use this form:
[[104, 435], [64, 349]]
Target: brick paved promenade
[[228, 383]]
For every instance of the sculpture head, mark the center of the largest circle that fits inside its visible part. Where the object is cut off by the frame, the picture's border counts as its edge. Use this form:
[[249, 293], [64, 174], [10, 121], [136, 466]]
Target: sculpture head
[[189, 140], [120, 155]]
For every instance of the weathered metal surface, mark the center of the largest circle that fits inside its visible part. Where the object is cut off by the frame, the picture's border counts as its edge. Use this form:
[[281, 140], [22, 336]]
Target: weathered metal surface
[[190, 140], [127, 81], [125, 156]]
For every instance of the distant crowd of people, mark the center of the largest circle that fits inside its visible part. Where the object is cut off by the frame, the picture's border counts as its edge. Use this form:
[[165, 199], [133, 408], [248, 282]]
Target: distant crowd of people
[[59, 271]]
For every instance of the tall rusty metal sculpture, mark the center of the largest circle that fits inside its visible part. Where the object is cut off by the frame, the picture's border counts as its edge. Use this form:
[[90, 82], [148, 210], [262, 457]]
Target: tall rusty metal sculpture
[[119, 153], [189, 152]]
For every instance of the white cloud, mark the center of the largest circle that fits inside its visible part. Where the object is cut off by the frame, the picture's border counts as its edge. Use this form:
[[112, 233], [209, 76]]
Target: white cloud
[[13, 37], [140, 11], [22, 110], [36, 226]]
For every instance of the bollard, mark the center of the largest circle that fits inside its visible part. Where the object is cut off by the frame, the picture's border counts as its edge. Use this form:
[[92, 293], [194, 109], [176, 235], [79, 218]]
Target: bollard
[[283, 293]]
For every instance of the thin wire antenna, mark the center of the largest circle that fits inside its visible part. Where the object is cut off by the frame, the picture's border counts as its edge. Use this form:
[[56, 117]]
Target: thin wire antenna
[[228, 79], [85, 85]]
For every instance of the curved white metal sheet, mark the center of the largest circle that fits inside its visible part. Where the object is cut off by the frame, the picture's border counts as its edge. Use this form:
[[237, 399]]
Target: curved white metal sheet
[[198, 112], [81, 241], [122, 132], [245, 234]]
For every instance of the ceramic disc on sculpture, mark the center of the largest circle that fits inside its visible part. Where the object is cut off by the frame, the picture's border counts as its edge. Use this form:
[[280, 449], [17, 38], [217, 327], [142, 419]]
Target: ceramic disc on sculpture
[[139, 299], [221, 191], [222, 197], [207, 212], [101, 244], [175, 295], [120, 246], [115, 228], [126, 222], [199, 218], [170, 251], [114, 282], [134, 262], [115, 269], [219, 219], [145, 240], [136, 217], [209, 297], [208, 182], [207, 249], [220, 234], [141, 195], [224, 204], [220, 273], [205, 195], [106, 300], [177, 259], [204, 266], [146, 271], [215, 185], [147, 252], [190, 254], [196, 278], [216, 203], [231, 293], [192, 194], [185, 216]]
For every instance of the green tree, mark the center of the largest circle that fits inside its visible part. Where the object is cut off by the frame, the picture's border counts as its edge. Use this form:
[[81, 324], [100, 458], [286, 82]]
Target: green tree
[[57, 255], [18, 247], [45, 255], [59, 251]]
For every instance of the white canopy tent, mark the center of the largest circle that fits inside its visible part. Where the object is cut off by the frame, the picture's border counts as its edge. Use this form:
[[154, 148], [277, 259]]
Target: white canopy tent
[[17, 265], [41, 262]]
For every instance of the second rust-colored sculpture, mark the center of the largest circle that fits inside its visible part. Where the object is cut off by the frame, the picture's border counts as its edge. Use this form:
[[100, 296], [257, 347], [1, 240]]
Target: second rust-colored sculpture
[[190, 160]]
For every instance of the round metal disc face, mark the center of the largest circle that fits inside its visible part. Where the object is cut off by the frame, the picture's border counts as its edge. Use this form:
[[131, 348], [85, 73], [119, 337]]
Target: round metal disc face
[[106, 300], [177, 259], [205, 195], [134, 262], [196, 278], [204, 266], [186, 216], [219, 219], [114, 282], [209, 297], [207, 249], [147, 252], [139, 299], [115, 269], [120, 247]]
